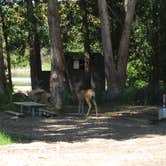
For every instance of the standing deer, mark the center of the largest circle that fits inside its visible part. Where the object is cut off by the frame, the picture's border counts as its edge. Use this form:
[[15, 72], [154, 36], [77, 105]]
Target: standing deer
[[87, 95]]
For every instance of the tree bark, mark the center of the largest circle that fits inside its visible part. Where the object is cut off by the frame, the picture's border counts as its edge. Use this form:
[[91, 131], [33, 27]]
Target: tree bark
[[85, 26], [87, 58], [158, 45], [4, 27], [2, 68], [129, 6], [34, 44], [116, 76], [57, 60], [110, 72]]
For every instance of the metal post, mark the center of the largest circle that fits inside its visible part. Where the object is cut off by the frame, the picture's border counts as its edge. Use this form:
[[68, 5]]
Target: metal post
[[21, 108], [33, 111], [164, 99]]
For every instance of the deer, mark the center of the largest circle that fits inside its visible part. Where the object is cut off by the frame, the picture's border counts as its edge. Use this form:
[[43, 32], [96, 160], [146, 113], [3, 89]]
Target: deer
[[87, 95]]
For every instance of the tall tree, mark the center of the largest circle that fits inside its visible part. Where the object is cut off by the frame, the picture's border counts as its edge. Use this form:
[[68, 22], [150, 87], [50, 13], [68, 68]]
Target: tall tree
[[5, 34], [85, 25], [116, 72], [86, 41], [158, 49], [2, 66], [34, 44], [161, 23], [57, 60]]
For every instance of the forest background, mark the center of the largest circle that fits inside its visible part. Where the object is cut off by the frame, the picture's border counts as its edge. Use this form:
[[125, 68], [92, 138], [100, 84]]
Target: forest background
[[25, 25]]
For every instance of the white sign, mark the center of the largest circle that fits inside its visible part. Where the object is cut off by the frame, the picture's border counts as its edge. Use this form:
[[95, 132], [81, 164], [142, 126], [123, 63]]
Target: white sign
[[76, 64]]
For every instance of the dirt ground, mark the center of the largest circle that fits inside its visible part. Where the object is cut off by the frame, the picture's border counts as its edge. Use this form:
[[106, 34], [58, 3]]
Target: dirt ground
[[127, 136]]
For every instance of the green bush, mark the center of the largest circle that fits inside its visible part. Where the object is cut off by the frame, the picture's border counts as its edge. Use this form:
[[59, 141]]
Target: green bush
[[135, 96], [69, 98]]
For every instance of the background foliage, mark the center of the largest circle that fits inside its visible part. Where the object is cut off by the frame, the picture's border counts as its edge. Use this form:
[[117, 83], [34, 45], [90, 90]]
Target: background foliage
[[142, 50]]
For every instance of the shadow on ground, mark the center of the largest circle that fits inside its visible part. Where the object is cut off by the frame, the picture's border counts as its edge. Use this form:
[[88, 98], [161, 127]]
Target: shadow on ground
[[120, 124]]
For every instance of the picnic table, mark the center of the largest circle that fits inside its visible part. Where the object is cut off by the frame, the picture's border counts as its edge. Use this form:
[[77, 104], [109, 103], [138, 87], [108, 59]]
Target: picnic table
[[30, 104]]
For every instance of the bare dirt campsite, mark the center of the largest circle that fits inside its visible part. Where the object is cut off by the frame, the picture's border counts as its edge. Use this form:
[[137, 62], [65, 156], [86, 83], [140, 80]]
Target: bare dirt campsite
[[127, 136]]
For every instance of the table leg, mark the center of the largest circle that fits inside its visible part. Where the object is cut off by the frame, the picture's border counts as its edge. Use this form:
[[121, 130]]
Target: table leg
[[39, 112], [21, 109], [33, 111]]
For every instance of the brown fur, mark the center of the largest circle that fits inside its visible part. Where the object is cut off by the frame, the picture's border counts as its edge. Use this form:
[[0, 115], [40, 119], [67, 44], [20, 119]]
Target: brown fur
[[88, 96]]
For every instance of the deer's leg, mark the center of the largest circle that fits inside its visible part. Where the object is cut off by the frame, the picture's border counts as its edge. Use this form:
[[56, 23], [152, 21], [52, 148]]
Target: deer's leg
[[82, 112], [89, 105], [94, 103], [81, 107]]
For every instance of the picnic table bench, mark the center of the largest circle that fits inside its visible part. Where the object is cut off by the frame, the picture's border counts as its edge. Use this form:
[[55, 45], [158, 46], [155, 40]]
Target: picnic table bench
[[47, 113], [30, 104]]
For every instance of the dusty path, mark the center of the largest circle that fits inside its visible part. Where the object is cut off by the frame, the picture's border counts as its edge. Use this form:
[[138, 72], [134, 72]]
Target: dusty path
[[140, 151], [124, 139]]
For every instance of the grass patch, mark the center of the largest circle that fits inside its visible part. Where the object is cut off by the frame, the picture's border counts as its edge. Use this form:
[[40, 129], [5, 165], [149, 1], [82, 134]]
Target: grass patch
[[21, 84], [5, 139], [20, 73]]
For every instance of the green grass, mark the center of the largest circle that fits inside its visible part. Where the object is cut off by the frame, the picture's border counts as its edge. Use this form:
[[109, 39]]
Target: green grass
[[25, 71], [17, 74], [21, 84], [21, 72], [5, 139]]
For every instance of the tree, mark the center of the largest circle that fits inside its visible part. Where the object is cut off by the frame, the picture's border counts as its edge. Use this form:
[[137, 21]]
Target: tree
[[116, 72], [157, 47], [13, 35], [161, 27], [57, 60], [85, 25], [2, 67], [34, 44], [5, 34], [86, 41]]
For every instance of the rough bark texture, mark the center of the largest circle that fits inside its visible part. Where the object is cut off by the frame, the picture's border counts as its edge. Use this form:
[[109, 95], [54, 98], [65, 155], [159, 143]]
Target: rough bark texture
[[4, 27], [116, 77], [125, 41], [2, 68], [159, 48], [57, 64], [110, 71], [85, 26], [85, 30], [34, 44]]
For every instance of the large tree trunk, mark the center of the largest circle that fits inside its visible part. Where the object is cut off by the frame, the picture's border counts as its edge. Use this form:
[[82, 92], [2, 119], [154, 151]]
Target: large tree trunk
[[116, 77], [34, 44], [4, 27], [110, 72], [57, 60], [159, 48], [87, 58], [129, 6], [2, 68], [85, 25]]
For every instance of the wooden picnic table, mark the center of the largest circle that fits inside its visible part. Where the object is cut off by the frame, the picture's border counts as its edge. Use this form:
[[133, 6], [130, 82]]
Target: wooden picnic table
[[30, 104]]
